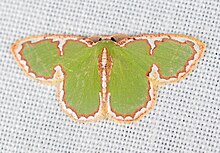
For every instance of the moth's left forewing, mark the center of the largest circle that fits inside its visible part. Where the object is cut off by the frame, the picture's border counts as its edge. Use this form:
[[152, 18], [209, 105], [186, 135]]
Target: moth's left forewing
[[187, 57]]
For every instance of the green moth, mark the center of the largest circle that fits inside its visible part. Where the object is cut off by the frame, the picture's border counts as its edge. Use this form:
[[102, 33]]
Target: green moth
[[107, 76]]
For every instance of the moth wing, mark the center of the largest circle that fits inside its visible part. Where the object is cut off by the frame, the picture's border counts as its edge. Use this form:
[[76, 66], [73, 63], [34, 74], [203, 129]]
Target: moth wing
[[142, 63], [68, 61]]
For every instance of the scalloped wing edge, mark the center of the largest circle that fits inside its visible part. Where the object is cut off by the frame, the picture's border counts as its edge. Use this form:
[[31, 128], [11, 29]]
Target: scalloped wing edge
[[104, 108]]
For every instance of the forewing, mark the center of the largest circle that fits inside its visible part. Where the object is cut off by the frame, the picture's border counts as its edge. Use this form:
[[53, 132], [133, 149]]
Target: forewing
[[173, 56]]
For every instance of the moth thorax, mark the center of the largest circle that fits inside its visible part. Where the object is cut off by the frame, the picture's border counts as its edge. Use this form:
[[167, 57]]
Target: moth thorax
[[105, 64]]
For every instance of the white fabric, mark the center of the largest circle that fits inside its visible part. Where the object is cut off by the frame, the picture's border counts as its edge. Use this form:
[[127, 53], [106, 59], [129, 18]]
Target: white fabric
[[187, 115]]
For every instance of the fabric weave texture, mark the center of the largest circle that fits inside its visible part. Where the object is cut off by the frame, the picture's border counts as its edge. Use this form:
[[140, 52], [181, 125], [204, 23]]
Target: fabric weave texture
[[186, 117]]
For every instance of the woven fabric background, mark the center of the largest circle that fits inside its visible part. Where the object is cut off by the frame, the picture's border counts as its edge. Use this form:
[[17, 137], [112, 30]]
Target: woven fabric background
[[186, 118]]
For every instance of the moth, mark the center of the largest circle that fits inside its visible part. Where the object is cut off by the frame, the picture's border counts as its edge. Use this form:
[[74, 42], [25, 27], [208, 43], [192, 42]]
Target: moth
[[113, 76]]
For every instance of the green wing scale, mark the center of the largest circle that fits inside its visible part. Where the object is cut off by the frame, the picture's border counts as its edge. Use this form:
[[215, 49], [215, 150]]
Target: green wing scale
[[107, 76]]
